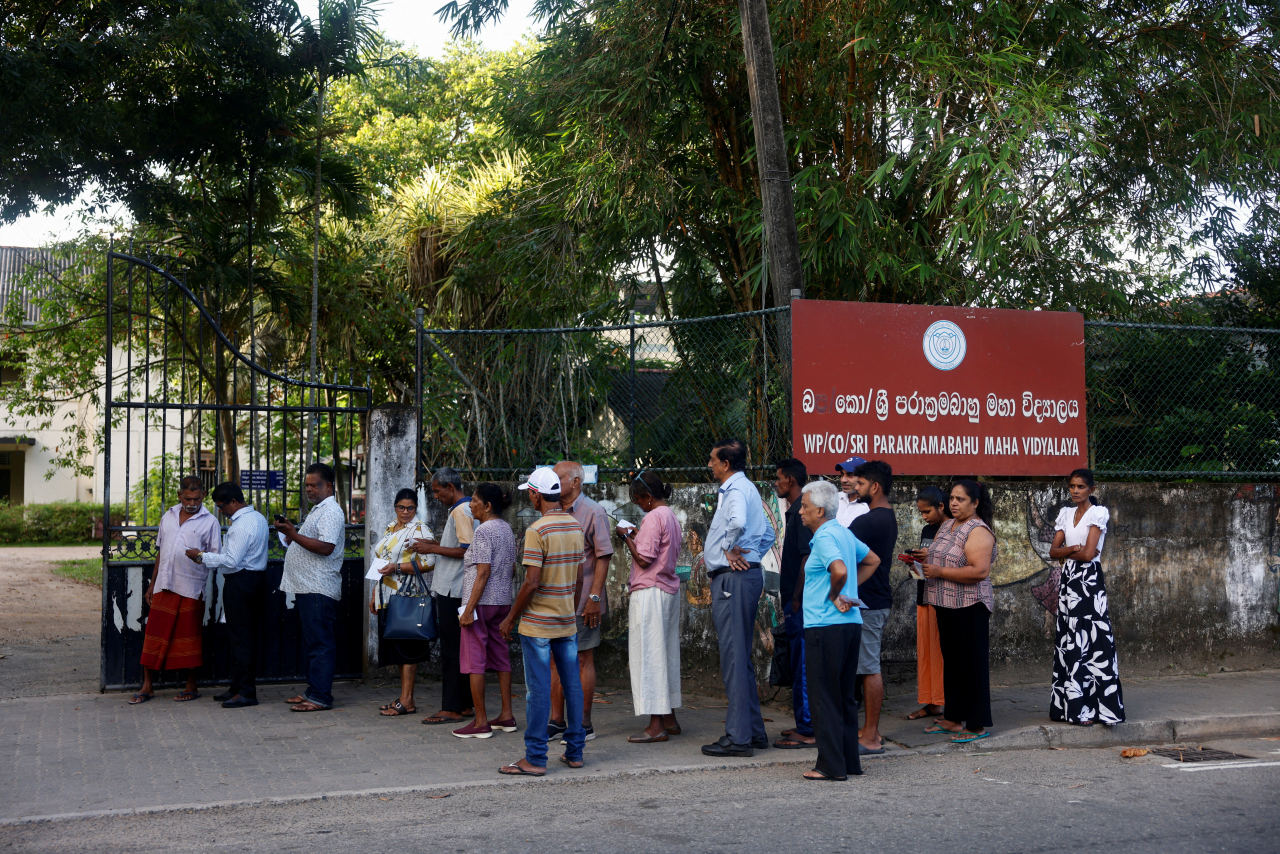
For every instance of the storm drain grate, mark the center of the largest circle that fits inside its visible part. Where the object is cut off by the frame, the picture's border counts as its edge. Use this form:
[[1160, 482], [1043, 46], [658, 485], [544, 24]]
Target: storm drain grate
[[1196, 754]]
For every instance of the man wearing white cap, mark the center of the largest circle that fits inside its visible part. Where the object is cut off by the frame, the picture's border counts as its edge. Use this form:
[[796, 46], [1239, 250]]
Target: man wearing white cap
[[850, 507], [548, 629]]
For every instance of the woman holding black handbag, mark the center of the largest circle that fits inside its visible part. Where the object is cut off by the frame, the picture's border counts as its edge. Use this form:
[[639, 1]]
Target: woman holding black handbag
[[400, 578]]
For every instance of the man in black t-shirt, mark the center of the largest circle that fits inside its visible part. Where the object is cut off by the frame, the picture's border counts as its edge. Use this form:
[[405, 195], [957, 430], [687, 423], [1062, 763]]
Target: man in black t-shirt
[[791, 478], [879, 530]]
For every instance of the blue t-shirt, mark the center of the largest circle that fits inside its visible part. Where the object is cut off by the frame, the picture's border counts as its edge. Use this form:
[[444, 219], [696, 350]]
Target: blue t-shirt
[[831, 542]]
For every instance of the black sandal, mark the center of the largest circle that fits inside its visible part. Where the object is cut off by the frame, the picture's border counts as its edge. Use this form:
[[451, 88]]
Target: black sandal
[[395, 710]]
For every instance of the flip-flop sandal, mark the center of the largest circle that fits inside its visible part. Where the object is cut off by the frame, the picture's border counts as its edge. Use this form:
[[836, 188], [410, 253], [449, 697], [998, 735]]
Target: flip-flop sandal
[[186, 697], [921, 713], [571, 764], [395, 710], [293, 701], [971, 736], [643, 737], [863, 750], [792, 744], [932, 728], [436, 720], [315, 707], [387, 706], [517, 771], [674, 730], [825, 779], [140, 698]]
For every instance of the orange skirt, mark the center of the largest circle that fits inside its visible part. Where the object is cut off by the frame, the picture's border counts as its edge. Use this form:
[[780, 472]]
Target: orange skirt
[[173, 639], [928, 658]]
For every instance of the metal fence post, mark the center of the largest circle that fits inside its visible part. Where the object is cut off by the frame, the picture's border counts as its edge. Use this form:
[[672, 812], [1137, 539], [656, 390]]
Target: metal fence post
[[417, 401], [632, 426]]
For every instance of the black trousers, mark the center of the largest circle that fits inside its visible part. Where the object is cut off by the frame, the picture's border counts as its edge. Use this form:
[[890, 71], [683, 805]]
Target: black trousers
[[964, 634], [455, 686], [831, 676], [243, 595]]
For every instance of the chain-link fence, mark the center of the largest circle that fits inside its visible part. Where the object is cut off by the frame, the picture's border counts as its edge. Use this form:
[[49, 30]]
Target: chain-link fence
[[652, 395], [1164, 401], [1183, 401]]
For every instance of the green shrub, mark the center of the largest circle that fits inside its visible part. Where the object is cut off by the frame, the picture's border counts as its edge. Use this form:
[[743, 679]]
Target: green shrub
[[58, 522], [11, 522]]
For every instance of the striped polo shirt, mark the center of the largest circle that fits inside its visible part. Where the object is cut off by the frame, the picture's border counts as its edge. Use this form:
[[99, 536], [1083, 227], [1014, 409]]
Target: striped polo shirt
[[554, 543]]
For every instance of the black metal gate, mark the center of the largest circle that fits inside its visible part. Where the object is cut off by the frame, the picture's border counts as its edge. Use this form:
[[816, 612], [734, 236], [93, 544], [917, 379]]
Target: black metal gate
[[181, 397]]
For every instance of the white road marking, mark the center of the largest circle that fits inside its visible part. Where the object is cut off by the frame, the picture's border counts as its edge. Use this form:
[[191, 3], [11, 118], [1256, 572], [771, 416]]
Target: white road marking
[[1212, 766]]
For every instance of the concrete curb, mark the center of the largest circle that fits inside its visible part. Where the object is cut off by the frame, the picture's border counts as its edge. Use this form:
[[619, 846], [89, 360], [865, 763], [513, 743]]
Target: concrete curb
[[1025, 738], [1130, 732]]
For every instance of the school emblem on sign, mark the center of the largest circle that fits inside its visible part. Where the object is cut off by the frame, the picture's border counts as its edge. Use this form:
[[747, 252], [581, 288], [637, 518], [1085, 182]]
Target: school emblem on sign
[[944, 345]]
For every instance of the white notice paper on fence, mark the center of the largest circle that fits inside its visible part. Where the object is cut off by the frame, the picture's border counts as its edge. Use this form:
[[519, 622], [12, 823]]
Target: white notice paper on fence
[[374, 565]]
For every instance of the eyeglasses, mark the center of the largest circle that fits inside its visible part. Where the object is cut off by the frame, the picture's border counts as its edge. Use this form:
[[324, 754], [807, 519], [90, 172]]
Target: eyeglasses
[[406, 507]]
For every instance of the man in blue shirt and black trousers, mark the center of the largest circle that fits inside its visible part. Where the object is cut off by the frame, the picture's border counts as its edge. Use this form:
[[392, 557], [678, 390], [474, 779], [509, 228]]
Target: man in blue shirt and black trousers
[[738, 538], [242, 562]]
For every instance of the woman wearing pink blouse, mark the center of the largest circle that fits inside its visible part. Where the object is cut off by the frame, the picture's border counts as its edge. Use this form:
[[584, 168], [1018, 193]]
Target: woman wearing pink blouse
[[653, 619]]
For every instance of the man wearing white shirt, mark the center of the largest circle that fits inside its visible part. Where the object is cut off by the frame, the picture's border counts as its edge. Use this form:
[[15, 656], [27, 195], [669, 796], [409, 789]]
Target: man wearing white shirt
[[313, 574], [242, 561], [850, 507]]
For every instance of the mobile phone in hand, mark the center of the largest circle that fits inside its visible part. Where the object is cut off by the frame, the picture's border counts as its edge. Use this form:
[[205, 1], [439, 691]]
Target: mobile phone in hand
[[280, 518]]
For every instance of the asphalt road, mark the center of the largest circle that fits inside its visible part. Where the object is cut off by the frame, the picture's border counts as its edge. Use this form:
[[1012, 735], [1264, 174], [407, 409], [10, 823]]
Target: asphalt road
[[1014, 801]]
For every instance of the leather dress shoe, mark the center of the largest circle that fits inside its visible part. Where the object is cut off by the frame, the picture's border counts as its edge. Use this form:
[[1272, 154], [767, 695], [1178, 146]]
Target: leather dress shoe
[[725, 747], [240, 702], [223, 697], [759, 743]]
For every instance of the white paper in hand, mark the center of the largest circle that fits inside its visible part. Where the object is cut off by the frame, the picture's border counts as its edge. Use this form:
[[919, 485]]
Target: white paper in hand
[[283, 541], [625, 525], [374, 565]]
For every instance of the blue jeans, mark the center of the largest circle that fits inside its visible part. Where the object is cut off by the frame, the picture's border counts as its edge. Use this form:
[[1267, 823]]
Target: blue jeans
[[318, 615], [794, 624], [538, 653]]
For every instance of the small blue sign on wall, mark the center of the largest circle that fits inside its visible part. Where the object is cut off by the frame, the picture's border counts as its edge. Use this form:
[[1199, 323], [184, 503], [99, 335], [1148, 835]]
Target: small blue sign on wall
[[261, 479]]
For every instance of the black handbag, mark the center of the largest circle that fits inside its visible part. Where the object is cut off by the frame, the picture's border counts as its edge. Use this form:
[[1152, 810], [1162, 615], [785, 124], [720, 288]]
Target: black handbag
[[411, 612]]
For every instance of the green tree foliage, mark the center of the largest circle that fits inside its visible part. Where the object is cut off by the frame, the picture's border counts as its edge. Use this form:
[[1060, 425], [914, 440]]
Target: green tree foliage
[[112, 94], [1016, 154], [407, 113]]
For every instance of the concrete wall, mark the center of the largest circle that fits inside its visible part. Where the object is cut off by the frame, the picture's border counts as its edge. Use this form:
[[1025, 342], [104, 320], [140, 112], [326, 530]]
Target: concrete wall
[[1191, 571]]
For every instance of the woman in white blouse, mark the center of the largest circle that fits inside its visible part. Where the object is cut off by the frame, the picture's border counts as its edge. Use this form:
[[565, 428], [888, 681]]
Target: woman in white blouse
[[1086, 674]]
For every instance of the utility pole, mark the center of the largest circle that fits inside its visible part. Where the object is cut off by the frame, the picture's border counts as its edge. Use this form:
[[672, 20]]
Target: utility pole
[[782, 241]]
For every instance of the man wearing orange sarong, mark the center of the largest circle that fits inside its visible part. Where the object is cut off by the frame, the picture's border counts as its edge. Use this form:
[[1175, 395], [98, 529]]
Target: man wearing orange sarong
[[175, 597]]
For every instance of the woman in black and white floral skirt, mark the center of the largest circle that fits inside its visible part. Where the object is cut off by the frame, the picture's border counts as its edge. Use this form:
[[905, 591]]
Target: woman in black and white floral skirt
[[1086, 674]]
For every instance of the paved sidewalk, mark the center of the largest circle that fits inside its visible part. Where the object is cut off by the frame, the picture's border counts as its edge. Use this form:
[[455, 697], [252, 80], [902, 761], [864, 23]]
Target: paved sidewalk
[[76, 753]]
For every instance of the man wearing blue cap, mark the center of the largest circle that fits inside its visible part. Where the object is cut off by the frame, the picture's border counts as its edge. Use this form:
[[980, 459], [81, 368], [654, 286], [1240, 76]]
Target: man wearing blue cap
[[850, 507]]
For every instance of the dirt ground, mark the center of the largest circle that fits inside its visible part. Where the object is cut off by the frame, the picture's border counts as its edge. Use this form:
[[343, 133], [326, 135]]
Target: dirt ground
[[37, 606]]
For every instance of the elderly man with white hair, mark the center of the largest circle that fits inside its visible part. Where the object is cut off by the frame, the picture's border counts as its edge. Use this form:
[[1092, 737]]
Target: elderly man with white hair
[[832, 630]]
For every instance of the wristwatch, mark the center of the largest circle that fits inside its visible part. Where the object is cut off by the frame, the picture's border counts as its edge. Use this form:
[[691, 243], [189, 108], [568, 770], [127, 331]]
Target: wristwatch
[[594, 598]]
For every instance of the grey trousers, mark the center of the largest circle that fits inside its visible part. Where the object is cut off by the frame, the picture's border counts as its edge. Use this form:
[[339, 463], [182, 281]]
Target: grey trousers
[[735, 596]]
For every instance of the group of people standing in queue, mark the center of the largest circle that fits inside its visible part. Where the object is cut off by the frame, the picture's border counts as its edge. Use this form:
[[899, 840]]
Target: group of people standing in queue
[[837, 550]]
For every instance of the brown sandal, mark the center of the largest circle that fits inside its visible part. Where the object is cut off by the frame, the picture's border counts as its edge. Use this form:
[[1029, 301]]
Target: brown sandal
[[308, 706], [514, 770], [643, 737]]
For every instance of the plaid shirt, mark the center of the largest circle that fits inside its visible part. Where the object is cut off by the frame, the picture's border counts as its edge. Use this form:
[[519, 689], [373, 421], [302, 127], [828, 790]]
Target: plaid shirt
[[947, 549]]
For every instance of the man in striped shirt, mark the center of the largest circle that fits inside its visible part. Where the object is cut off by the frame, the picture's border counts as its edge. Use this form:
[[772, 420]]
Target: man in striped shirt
[[552, 559]]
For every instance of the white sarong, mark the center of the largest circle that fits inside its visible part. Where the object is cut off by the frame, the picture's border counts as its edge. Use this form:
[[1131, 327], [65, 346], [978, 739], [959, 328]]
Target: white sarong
[[653, 644]]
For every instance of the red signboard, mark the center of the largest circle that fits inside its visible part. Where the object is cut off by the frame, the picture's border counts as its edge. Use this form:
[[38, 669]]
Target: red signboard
[[935, 390]]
